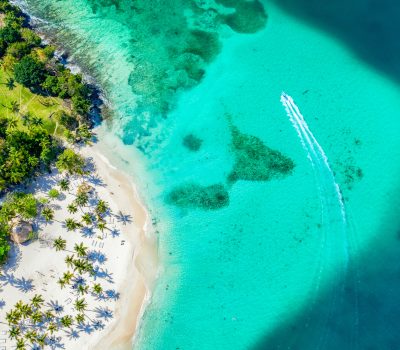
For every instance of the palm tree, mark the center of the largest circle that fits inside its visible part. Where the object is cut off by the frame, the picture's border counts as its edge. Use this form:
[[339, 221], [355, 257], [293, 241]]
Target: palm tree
[[26, 119], [37, 121], [67, 321], [69, 260], [10, 83], [87, 219], [41, 339], [13, 317], [49, 315], [101, 207], [80, 249], [102, 226], [52, 327], [62, 282], [31, 336], [67, 277], [20, 344], [71, 224], [14, 332], [37, 301], [64, 184], [83, 289], [19, 305], [60, 244], [14, 107], [26, 310], [81, 199], [89, 267], [80, 318], [37, 317], [80, 265], [48, 213], [12, 123], [80, 305], [97, 289], [72, 208]]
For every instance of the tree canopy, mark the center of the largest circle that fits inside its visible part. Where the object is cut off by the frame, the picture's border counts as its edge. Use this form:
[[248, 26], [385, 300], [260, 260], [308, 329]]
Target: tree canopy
[[29, 72], [70, 162]]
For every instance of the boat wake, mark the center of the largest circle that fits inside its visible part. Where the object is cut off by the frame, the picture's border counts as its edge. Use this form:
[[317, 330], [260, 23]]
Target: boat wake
[[315, 153], [334, 254]]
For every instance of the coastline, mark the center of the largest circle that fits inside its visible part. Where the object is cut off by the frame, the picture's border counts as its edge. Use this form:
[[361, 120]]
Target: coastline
[[141, 269], [141, 274], [128, 247]]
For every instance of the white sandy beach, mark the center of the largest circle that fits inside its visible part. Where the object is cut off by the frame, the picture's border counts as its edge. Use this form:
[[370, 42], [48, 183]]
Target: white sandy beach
[[128, 260]]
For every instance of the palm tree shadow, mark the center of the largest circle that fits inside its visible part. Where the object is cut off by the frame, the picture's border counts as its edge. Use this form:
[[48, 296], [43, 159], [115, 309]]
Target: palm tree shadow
[[124, 218], [103, 274], [55, 306], [370, 28], [55, 343], [14, 258], [86, 328], [22, 284], [97, 256], [72, 334], [103, 313]]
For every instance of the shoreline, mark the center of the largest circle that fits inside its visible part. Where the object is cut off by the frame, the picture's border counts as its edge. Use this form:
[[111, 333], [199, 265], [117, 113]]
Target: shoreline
[[143, 271], [130, 261], [101, 106]]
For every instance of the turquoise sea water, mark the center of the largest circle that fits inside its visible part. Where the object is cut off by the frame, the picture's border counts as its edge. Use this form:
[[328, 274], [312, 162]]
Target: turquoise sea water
[[273, 260]]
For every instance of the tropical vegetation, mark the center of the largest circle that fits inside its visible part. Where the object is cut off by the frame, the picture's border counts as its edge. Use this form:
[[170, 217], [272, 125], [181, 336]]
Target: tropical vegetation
[[42, 104]]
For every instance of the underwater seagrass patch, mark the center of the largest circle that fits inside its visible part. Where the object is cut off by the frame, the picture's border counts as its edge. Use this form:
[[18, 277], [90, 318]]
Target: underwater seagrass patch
[[248, 17], [254, 161], [192, 195], [192, 142]]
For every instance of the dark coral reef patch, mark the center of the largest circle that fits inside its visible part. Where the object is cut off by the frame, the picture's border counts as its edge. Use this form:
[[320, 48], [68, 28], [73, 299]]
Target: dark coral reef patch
[[248, 17], [193, 196], [254, 161], [173, 41], [192, 142]]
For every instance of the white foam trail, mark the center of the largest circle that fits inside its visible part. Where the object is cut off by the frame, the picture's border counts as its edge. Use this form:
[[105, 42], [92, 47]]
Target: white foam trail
[[310, 143], [332, 203]]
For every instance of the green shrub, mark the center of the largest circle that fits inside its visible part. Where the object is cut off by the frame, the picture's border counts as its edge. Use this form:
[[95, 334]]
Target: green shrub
[[67, 120], [29, 72], [80, 105], [71, 162], [4, 244], [51, 85], [18, 49], [9, 35], [24, 205], [30, 37], [53, 193], [22, 152], [14, 19], [49, 51]]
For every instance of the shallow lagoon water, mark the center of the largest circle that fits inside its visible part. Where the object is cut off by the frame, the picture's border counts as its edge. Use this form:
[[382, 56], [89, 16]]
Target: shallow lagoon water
[[270, 270]]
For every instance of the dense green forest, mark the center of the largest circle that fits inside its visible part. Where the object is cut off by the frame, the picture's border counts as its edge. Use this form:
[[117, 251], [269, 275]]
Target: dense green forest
[[41, 103]]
